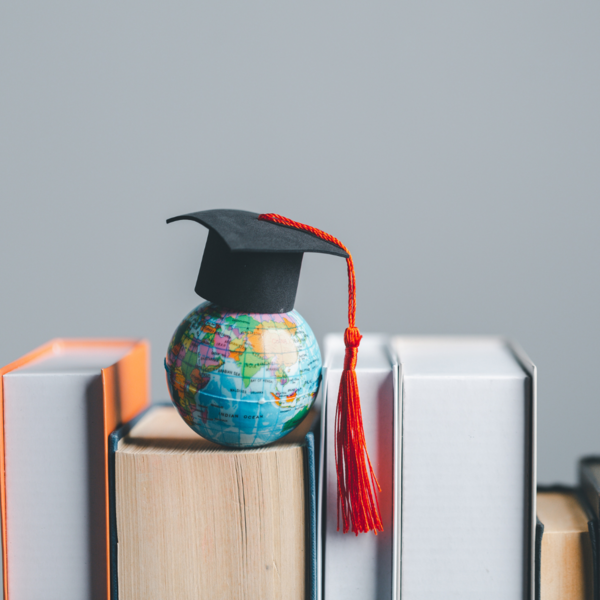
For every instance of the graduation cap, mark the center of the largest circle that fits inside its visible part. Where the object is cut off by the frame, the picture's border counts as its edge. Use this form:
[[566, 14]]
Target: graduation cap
[[251, 263]]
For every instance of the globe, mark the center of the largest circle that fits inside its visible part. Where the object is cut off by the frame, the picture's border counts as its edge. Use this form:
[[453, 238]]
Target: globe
[[243, 380]]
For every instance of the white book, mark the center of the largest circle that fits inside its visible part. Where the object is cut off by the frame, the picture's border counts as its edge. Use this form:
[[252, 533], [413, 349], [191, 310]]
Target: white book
[[361, 567], [59, 405], [468, 469]]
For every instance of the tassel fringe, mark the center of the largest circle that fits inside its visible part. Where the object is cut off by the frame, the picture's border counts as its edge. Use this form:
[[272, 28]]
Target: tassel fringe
[[357, 500]]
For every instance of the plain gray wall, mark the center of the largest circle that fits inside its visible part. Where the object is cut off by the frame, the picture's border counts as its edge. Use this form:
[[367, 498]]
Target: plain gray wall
[[453, 146]]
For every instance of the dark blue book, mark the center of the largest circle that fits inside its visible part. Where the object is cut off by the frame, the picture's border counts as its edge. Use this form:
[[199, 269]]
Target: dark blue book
[[194, 519]]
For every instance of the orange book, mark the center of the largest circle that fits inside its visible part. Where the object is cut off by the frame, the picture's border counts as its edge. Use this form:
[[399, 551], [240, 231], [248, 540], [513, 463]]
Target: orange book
[[58, 406]]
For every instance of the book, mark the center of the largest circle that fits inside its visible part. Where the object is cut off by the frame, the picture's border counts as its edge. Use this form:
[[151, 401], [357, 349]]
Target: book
[[589, 482], [196, 520], [565, 545], [362, 567], [468, 468], [58, 405]]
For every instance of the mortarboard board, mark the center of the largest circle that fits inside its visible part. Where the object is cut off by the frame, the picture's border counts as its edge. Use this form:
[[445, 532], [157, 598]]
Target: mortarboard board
[[251, 263]]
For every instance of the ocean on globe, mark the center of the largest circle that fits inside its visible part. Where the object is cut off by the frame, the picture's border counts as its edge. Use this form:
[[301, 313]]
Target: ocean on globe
[[243, 380]]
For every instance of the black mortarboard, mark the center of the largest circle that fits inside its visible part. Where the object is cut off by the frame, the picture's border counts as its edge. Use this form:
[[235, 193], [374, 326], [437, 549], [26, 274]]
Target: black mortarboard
[[251, 265]]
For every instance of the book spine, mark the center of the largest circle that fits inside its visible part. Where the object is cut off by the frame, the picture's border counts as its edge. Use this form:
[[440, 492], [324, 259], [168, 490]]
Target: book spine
[[311, 530], [113, 445], [590, 495], [539, 532], [593, 529]]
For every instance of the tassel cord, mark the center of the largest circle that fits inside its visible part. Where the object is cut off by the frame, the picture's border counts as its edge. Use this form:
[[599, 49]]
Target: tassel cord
[[358, 503]]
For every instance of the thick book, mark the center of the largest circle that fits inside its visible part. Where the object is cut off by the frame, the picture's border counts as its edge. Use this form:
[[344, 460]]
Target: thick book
[[589, 482], [58, 406], [194, 520], [468, 469], [362, 567], [565, 546]]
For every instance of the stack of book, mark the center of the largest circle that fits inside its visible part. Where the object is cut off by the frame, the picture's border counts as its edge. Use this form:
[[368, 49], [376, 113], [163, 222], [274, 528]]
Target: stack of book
[[105, 496], [453, 427]]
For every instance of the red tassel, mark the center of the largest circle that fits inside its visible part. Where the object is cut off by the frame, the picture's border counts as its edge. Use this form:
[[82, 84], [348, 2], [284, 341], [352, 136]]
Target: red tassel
[[357, 484]]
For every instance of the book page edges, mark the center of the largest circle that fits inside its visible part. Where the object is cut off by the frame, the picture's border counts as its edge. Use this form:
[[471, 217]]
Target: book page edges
[[310, 443]]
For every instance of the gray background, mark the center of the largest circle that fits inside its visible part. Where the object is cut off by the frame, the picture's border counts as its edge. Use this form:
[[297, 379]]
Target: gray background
[[453, 146]]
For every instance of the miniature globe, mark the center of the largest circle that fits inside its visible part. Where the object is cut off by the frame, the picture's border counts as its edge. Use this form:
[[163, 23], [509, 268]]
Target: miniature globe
[[243, 380]]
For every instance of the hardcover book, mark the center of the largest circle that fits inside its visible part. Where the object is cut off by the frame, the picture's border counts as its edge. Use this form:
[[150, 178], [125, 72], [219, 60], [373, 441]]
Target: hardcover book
[[589, 482], [58, 405], [468, 468], [566, 546], [362, 567], [195, 520]]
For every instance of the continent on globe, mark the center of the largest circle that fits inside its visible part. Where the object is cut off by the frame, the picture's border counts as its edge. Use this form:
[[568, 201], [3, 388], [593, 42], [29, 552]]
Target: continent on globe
[[241, 379]]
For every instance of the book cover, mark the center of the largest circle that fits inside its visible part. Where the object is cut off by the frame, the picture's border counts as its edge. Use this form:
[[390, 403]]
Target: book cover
[[589, 483], [468, 468], [99, 398], [363, 567]]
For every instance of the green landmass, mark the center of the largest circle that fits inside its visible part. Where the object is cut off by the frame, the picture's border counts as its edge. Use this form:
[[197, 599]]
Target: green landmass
[[251, 363], [245, 323], [188, 364], [274, 325], [296, 419]]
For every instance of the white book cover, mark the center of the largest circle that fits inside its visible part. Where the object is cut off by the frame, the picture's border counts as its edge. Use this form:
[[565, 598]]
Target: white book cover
[[54, 415], [361, 567], [468, 469]]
